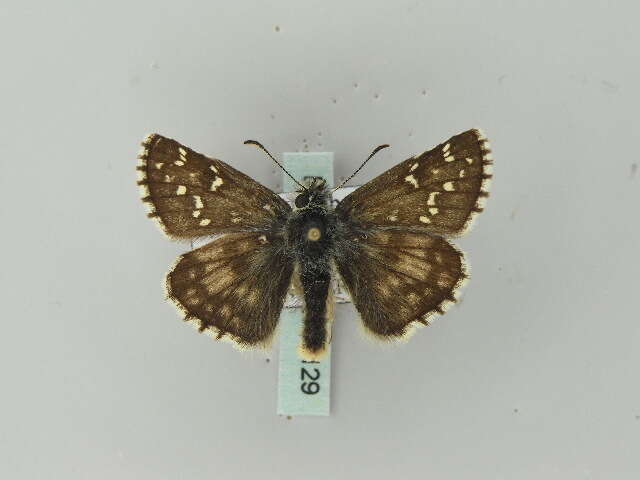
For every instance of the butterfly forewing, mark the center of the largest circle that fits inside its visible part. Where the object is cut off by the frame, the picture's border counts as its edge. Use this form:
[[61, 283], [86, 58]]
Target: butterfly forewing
[[192, 195], [438, 191], [233, 287], [398, 280]]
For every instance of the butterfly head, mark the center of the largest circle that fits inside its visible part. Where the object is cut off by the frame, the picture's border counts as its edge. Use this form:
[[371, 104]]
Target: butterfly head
[[314, 194]]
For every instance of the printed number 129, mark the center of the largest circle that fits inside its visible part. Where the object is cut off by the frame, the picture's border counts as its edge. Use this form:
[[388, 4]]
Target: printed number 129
[[309, 387]]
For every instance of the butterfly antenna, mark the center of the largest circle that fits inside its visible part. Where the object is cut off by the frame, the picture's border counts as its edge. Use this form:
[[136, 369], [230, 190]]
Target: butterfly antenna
[[375, 150], [261, 147]]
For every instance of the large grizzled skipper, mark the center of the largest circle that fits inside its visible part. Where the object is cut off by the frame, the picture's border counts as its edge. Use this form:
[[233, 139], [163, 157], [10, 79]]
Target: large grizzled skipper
[[386, 241]]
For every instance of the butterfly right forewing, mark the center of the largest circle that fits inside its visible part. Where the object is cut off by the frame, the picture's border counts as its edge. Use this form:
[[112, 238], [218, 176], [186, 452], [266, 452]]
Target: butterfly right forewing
[[439, 191]]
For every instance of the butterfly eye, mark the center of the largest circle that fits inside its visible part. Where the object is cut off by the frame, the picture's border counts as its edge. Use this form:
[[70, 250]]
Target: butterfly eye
[[302, 200]]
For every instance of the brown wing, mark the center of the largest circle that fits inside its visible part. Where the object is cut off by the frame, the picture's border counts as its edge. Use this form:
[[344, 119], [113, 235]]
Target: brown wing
[[192, 195], [233, 287], [439, 191], [398, 280]]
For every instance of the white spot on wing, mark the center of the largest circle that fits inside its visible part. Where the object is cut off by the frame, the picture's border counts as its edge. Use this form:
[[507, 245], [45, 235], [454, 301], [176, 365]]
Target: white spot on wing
[[181, 190], [204, 222], [448, 186], [433, 210], [424, 219], [198, 200], [432, 198], [216, 183], [445, 149], [412, 180], [196, 213], [179, 163], [215, 170], [414, 166], [159, 165], [469, 160]]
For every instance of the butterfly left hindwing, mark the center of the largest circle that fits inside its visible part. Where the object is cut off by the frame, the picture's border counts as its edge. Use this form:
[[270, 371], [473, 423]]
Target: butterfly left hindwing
[[233, 286]]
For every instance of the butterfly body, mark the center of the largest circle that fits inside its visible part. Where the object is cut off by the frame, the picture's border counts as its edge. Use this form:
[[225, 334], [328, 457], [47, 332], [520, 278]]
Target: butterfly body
[[386, 241], [311, 232]]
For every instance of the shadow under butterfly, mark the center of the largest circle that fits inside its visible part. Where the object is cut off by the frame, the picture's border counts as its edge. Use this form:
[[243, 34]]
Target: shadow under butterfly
[[385, 241]]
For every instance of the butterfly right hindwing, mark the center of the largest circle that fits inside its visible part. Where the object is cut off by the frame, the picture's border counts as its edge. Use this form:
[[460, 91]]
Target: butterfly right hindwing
[[397, 278]]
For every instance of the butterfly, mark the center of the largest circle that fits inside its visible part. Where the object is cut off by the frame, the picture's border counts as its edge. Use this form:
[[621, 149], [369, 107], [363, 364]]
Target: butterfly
[[386, 241]]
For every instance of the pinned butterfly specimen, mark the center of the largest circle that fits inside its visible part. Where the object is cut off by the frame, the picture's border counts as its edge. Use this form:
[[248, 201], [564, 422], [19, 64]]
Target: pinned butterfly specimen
[[386, 241]]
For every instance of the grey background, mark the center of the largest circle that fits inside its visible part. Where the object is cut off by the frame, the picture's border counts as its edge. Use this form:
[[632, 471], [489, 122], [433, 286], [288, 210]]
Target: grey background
[[534, 375]]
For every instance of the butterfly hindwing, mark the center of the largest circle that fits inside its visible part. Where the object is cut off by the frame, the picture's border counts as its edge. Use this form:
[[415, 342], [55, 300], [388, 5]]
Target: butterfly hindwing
[[439, 191], [399, 279], [233, 287], [192, 195]]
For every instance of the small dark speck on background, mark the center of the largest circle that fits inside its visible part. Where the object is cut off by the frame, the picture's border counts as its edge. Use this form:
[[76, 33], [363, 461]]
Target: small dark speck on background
[[272, 116], [289, 417], [277, 28], [609, 87], [267, 360], [634, 170], [334, 100], [424, 92], [515, 410], [376, 96], [355, 85]]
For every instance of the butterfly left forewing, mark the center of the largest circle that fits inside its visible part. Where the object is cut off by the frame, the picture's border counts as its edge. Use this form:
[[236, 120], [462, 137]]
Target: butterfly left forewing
[[191, 195], [439, 191], [398, 280], [233, 287]]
